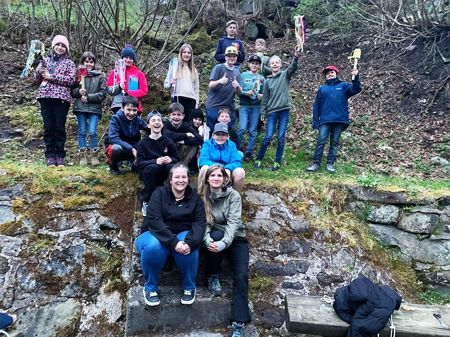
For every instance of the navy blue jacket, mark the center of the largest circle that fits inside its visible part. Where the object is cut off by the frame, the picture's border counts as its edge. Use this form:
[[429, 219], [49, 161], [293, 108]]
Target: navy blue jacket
[[331, 103], [365, 306], [226, 42], [124, 132]]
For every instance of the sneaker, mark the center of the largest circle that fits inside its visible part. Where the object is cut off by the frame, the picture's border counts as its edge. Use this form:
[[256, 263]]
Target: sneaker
[[114, 170], [188, 297], [275, 167], [51, 162], [60, 162], [151, 298], [330, 168], [83, 158], [94, 157], [248, 157], [214, 285], [238, 329], [144, 208], [313, 168], [258, 164]]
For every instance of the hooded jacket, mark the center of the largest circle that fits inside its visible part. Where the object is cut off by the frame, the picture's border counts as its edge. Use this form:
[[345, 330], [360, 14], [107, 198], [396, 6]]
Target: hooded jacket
[[331, 102], [135, 85], [124, 132], [365, 306], [96, 93], [227, 212], [226, 154], [167, 217], [276, 90], [62, 77], [226, 42], [180, 134]]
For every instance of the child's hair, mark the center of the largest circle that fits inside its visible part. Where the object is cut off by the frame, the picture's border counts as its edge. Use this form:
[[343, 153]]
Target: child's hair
[[87, 55], [223, 110], [176, 107], [274, 57], [262, 41], [231, 22], [130, 100], [197, 113], [191, 64], [205, 189]]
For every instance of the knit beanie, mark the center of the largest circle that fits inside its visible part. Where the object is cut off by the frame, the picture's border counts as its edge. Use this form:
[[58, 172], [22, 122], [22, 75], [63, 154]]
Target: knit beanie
[[128, 51], [60, 39], [153, 114], [196, 113]]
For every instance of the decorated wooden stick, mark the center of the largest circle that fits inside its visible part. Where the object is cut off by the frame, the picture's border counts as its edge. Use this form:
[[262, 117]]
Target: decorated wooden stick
[[82, 73], [119, 73], [300, 27], [356, 55]]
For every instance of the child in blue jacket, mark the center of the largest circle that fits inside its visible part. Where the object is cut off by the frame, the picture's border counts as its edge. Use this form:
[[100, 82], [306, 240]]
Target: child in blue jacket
[[330, 114], [220, 150], [230, 40]]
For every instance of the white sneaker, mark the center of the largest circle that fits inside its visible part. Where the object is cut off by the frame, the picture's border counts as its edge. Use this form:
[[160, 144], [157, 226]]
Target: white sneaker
[[144, 208]]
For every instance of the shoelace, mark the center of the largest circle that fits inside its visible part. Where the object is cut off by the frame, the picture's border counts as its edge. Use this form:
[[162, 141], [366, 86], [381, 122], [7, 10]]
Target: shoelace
[[188, 292], [153, 294]]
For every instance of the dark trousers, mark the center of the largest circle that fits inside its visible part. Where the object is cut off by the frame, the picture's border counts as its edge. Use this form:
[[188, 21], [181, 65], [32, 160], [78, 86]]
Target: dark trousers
[[153, 176], [238, 254], [54, 115], [118, 154], [332, 130], [188, 105]]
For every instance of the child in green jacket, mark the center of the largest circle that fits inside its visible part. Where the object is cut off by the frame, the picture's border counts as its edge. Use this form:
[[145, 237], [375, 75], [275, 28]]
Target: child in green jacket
[[275, 106]]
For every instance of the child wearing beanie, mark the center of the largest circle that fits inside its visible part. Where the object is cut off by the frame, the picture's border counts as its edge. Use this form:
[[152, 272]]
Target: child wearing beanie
[[134, 84], [55, 75]]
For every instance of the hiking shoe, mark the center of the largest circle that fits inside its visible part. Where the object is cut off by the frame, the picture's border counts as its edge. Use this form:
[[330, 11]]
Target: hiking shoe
[[258, 164], [144, 208], [51, 162], [275, 167], [83, 158], [94, 157], [214, 285], [114, 170], [330, 168], [248, 157], [238, 329], [313, 168], [151, 298], [188, 297], [60, 162]]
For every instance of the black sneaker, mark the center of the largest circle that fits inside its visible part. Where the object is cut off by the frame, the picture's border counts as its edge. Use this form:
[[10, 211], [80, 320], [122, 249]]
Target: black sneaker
[[188, 297], [214, 285], [248, 157], [114, 170], [151, 298]]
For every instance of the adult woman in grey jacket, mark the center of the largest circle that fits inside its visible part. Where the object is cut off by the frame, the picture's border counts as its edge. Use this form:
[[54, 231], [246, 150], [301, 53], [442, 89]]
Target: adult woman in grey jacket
[[225, 236]]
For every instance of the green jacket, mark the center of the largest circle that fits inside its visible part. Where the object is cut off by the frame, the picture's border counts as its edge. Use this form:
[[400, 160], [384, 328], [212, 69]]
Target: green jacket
[[227, 212], [276, 90]]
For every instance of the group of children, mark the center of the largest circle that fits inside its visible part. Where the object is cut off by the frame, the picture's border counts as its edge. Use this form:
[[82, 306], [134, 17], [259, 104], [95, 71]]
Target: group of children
[[185, 139]]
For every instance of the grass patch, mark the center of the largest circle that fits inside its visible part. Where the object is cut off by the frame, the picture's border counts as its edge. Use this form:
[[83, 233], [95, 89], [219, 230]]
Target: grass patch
[[434, 297], [259, 285]]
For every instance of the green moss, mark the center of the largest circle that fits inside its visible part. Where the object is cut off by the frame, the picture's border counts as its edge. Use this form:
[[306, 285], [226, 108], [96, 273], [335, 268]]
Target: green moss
[[259, 285], [433, 297], [11, 228], [200, 41]]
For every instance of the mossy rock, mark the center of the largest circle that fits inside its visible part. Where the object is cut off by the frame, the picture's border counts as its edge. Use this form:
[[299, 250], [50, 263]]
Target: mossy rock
[[201, 42]]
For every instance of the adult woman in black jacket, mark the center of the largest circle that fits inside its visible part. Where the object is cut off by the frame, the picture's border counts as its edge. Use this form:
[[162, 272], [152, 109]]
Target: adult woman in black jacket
[[175, 224]]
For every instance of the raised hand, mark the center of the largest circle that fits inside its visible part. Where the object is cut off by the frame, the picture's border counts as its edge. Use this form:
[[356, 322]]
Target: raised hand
[[224, 79], [235, 83]]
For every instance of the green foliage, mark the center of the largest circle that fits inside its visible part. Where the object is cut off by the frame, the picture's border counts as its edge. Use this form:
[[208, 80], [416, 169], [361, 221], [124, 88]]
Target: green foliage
[[259, 284], [368, 180], [434, 297], [317, 12]]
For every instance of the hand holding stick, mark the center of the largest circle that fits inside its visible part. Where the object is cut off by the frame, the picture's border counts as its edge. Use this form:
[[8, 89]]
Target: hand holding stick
[[356, 55]]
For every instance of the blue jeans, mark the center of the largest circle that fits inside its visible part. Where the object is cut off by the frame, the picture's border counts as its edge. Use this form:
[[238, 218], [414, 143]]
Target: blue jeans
[[248, 118], [282, 118], [333, 130], [154, 256], [87, 123], [211, 118]]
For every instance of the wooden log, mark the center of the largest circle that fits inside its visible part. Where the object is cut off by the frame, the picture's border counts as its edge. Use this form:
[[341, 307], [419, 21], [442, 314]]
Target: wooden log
[[310, 315]]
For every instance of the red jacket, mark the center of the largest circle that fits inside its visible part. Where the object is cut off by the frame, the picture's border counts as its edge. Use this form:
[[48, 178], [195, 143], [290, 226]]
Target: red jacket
[[132, 74]]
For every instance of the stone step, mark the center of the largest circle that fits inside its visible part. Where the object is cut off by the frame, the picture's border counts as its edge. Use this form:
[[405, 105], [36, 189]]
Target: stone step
[[206, 312]]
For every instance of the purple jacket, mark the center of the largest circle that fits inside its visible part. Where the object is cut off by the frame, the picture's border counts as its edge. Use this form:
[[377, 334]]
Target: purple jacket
[[62, 72]]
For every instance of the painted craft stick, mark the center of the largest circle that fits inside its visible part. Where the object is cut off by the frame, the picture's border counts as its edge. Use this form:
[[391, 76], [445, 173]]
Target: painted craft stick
[[82, 73], [119, 73], [300, 28], [356, 55]]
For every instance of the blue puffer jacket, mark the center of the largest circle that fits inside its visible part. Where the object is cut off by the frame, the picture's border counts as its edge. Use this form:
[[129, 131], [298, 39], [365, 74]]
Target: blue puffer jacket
[[226, 154], [331, 103]]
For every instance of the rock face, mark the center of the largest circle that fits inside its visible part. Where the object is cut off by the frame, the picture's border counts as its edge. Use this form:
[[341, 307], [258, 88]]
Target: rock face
[[421, 233]]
